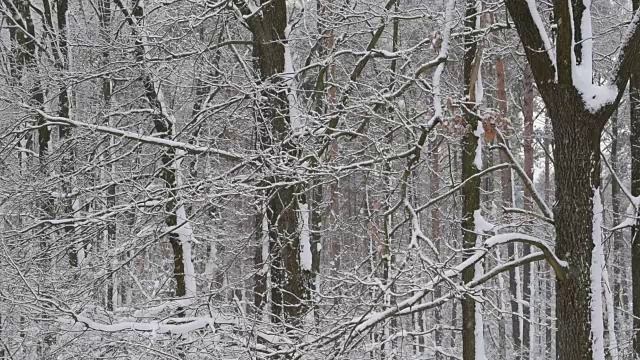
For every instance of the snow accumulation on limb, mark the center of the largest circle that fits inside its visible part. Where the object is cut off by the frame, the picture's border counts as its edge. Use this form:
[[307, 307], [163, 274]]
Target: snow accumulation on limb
[[186, 237], [189, 148], [597, 264], [634, 201], [443, 54], [537, 19], [546, 210], [416, 231], [630, 48], [413, 303], [594, 96], [167, 326], [289, 76], [305, 232], [477, 160]]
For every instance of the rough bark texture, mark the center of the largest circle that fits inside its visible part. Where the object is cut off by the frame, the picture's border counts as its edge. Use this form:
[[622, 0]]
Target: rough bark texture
[[577, 134], [634, 105], [617, 255], [549, 278], [577, 173], [288, 294], [471, 190]]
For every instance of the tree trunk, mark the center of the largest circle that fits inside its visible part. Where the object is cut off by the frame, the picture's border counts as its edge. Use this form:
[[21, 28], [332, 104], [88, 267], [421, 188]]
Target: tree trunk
[[617, 255], [288, 293], [577, 175], [471, 189], [634, 105], [104, 17], [549, 278], [165, 124]]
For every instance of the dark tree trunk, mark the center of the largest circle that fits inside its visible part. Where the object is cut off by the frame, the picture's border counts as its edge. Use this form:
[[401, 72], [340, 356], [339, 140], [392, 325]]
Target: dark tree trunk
[[577, 175], [635, 231], [577, 128], [67, 162], [634, 105], [471, 189], [289, 293], [617, 256]]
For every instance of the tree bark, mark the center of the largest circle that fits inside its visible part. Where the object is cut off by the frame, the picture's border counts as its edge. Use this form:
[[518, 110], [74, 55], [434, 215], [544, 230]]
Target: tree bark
[[471, 189], [634, 105], [577, 175], [289, 293]]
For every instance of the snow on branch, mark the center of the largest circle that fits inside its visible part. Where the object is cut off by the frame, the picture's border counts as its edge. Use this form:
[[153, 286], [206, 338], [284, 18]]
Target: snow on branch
[[535, 41], [416, 231], [546, 211], [168, 326], [634, 201], [189, 148], [559, 266], [628, 57], [444, 53]]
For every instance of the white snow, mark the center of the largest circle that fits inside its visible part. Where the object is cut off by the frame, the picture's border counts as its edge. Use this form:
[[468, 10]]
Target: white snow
[[629, 221], [185, 234], [413, 303], [477, 161], [167, 326], [478, 331], [416, 230], [289, 76], [444, 51], [609, 305], [137, 136], [305, 244], [593, 96], [481, 225], [597, 321], [543, 34]]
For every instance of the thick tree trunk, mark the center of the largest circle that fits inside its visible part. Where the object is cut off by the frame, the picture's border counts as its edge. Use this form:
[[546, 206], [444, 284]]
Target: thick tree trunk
[[577, 175], [289, 293]]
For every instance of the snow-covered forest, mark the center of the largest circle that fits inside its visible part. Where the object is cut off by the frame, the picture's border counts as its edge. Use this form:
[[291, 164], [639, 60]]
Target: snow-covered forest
[[320, 179]]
